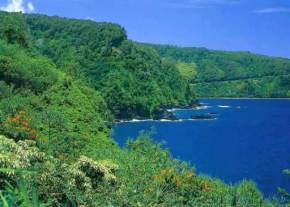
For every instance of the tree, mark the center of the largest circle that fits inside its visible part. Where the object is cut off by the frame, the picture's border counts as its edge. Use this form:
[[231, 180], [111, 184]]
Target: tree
[[14, 29]]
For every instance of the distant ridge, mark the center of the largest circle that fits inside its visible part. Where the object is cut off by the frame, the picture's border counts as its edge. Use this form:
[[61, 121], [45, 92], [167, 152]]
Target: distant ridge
[[215, 73]]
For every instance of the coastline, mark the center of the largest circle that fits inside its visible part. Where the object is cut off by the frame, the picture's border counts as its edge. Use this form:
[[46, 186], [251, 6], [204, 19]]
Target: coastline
[[242, 98], [160, 120], [169, 116], [172, 117]]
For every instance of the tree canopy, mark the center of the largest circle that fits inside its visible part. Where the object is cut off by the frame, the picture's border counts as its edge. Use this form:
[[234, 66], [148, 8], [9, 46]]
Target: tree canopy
[[62, 82], [229, 74]]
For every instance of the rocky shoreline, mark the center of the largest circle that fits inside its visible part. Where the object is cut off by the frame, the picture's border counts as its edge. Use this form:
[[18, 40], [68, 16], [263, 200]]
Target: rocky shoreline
[[167, 115]]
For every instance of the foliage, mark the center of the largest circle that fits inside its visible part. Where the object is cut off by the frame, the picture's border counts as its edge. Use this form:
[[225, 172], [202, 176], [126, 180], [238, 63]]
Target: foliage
[[14, 29], [248, 195], [283, 192], [19, 127], [55, 180], [20, 70], [149, 176], [14, 156], [145, 175], [21, 196], [229, 74], [187, 70], [60, 82], [275, 87], [125, 73]]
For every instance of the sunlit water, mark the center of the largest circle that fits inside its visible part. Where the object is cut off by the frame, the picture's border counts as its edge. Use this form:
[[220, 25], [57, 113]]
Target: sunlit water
[[250, 139]]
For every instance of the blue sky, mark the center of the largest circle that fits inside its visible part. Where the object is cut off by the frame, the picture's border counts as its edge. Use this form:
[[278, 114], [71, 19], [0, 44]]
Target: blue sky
[[259, 26]]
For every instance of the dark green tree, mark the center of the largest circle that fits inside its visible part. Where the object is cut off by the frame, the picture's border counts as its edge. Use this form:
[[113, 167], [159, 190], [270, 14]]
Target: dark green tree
[[14, 29]]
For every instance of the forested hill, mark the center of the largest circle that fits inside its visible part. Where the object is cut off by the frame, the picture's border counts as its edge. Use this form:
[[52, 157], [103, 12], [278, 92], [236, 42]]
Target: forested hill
[[60, 82], [230, 74], [133, 79]]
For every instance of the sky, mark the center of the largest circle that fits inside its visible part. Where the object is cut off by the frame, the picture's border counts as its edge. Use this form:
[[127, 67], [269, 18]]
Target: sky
[[258, 26]]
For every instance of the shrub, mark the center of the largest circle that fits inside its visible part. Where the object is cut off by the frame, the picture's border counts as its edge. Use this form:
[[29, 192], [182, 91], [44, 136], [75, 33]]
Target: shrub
[[55, 180], [247, 195], [19, 127], [16, 156], [285, 195]]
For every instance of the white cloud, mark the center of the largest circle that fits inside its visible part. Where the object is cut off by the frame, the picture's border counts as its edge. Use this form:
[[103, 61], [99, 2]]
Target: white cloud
[[14, 6], [90, 18], [272, 10], [30, 7], [18, 6]]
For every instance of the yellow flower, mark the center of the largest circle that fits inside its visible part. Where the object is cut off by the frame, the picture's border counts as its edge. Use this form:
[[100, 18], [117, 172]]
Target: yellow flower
[[190, 174], [156, 177], [25, 123], [178, 183], [171, 170], [45, 141], [177, 180], [205, 186]]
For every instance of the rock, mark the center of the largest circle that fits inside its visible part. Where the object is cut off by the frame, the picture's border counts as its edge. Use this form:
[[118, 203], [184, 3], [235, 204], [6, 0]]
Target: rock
[[204, 116], [164, 114]]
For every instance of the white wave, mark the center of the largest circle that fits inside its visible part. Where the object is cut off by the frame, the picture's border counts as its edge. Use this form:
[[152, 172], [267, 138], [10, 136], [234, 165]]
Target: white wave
[[202, 107], [163, 120], [209, 119], [222, 106], [188, 109], [135, 120], [167, 120], [172, 110], [141, 120]]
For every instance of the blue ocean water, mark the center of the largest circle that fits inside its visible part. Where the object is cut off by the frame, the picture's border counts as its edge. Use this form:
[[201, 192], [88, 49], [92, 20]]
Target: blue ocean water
[[250, 139]]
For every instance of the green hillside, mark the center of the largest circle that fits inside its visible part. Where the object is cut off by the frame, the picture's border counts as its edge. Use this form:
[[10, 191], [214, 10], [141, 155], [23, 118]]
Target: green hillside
[[230, 74], [61, 84], [133, 79]]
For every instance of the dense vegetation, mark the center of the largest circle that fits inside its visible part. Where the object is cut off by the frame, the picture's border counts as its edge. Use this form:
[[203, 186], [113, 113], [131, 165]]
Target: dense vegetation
[[230, 74], [55, 139], [134, 81]]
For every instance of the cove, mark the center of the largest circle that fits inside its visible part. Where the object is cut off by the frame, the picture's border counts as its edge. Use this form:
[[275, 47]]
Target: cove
[[248, 139]]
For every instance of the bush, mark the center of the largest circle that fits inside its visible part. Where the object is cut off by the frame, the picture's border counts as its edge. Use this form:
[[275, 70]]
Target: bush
[[56, 181], [247, 195], [14, 156]]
